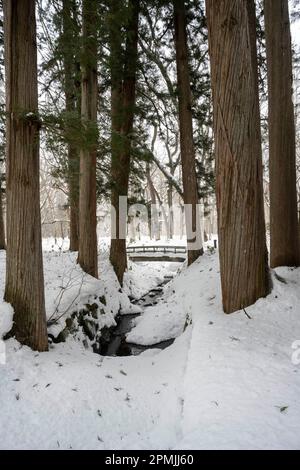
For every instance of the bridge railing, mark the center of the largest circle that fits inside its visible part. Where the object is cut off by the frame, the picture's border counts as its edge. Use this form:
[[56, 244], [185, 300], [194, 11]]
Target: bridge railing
[[156, 249]]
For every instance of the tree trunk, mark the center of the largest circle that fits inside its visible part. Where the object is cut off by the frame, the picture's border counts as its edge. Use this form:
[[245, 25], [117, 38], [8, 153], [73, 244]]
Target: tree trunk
[[162, 208], [242, 240], [189, 179], [87, 255], [122, 126], [24, 288], [72, 101], [2, 230], [118, 256], [154, 219], [154, 227], [73, 164], [282, 162], [170, 212]]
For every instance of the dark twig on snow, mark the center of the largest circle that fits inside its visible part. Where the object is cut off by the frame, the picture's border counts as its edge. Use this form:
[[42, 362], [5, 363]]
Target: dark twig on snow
[[247, 314]]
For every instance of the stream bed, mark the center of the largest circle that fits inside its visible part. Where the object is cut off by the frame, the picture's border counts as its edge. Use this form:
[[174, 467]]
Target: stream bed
[[125, 323]]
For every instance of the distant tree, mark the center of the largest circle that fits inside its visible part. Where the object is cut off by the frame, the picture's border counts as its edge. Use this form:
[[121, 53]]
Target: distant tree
[[188, 159], [24, 288], [69, 47], [87, 254], [157, 95], [284, 232], [239, 187]]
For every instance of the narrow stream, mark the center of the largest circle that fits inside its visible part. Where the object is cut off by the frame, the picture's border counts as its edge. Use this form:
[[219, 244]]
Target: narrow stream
[[118, 346]]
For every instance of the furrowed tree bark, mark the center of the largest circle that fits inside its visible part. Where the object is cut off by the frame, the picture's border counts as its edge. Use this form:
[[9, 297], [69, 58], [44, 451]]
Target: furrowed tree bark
[[2, 230], [72, 102], [285, 242], [122, 127], [189, 179], [87, 255], [239, 187], [118, 256], [24, 288]]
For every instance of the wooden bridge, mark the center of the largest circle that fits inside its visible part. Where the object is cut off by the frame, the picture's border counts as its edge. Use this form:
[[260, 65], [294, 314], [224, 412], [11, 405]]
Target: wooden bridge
[[169, 253]]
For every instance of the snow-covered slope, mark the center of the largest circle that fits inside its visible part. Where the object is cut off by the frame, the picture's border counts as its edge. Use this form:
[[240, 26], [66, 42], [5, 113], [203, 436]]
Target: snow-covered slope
[[242, 387], [68, 289]]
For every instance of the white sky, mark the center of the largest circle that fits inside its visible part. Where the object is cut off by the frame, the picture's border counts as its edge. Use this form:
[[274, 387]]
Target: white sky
[[295, 29]]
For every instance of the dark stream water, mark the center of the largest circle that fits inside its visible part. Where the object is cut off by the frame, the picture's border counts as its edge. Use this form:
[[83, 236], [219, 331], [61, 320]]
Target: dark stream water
[[117, 345]]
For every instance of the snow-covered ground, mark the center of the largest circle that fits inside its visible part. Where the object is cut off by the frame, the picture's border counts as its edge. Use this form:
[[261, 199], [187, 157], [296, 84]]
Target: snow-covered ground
[[142, 277], [226, 382], [165, 241]]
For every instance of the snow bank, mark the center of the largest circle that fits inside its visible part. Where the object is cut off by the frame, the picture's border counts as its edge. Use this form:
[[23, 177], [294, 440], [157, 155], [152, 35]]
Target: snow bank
[[6, 318], [69, 290], [6, 311], [158, 323]]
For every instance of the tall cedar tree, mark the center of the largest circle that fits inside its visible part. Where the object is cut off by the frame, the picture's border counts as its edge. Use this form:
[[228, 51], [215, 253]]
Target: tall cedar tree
[[123, 91], [239, 187], [72, 103], [285, 242], [87, 255], [2, 146], [189, 179], [24, 288]]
